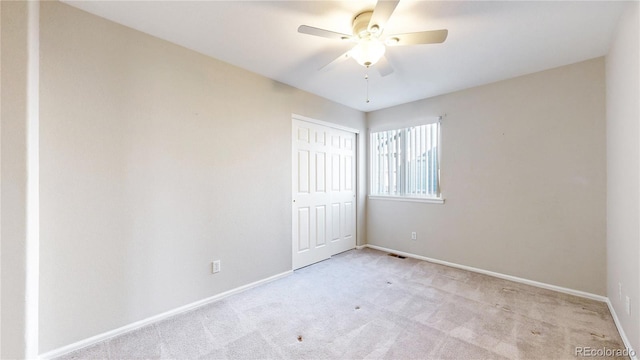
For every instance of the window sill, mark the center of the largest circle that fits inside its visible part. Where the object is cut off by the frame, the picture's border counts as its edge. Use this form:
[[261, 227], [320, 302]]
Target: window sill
[[408, 199]]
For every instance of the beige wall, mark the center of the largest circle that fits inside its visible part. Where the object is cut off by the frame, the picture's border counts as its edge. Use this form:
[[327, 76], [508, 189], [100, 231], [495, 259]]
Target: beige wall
[[623, 172], [523, 175], [13, 178], [156, 160]]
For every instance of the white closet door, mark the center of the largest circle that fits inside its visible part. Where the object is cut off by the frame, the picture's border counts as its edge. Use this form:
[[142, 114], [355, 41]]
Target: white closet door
[[324, 210]]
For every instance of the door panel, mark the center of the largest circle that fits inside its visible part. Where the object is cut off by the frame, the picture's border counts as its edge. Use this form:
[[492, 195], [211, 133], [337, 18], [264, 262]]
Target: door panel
[[335, 172], [348, 166], [321, 165], [303, 229], [321, 225], [348, 221], [324, 192], [303, 172], [335, 222]]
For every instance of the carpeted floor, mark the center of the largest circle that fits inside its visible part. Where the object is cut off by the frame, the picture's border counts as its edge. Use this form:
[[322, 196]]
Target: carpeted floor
[[366, 304]]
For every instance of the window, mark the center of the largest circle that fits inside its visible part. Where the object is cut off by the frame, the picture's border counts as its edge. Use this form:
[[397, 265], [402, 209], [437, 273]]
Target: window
[[406, 162]]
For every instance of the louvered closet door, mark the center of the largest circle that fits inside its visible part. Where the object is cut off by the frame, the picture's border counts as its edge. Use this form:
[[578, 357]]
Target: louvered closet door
[[324, 210]]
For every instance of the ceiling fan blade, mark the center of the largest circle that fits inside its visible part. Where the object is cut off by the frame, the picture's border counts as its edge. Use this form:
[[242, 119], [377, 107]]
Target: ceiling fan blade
[[382, 13], [336, 61], [423, 37], [310, 30], [383, 66]]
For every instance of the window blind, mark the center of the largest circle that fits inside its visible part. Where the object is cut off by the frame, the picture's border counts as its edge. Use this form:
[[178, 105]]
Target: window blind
[[405, 162]]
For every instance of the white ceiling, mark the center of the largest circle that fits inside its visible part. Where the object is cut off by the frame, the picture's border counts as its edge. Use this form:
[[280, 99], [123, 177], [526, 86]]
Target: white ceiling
[[488, 40]]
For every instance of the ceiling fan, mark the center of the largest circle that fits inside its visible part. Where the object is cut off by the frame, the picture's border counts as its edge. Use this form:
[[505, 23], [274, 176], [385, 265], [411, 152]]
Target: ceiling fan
[[371, 42]]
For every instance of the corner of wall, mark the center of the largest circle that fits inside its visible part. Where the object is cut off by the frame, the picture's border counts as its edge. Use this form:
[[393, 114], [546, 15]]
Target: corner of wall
[[623, 175], [13, 190]]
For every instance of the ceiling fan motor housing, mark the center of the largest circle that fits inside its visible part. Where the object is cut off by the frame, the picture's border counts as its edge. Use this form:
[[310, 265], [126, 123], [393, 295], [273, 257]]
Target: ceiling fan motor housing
[[361, 25]]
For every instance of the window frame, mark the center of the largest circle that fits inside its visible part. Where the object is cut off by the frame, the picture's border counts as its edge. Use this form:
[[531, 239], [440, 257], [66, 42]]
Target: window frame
[[400, 153]]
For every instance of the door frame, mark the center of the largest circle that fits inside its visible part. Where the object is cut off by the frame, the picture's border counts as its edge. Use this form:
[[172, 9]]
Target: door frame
[[356, 132]]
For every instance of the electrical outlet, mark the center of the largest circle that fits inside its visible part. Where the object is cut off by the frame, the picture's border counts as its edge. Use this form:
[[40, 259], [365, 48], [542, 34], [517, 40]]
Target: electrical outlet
[[620, 291], [215, 267], [414, 236], [628, 303]]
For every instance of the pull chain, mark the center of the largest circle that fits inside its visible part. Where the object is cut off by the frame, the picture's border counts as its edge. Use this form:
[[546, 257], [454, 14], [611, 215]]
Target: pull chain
[[366, 77]]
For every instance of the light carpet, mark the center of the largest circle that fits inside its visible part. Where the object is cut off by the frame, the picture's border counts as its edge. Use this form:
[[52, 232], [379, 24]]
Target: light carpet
[[365, 304]]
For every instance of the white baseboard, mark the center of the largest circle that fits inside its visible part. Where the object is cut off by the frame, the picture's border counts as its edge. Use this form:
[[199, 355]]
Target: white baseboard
[[623, 335], [497, 275], [561, 289], [138, 324]]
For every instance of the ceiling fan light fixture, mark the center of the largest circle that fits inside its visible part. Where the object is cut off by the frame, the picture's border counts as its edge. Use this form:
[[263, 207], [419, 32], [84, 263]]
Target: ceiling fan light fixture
[[368, 51]]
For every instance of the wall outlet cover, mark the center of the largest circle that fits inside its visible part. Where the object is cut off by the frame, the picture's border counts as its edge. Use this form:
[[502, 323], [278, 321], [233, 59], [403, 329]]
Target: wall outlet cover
[[215, 267]]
